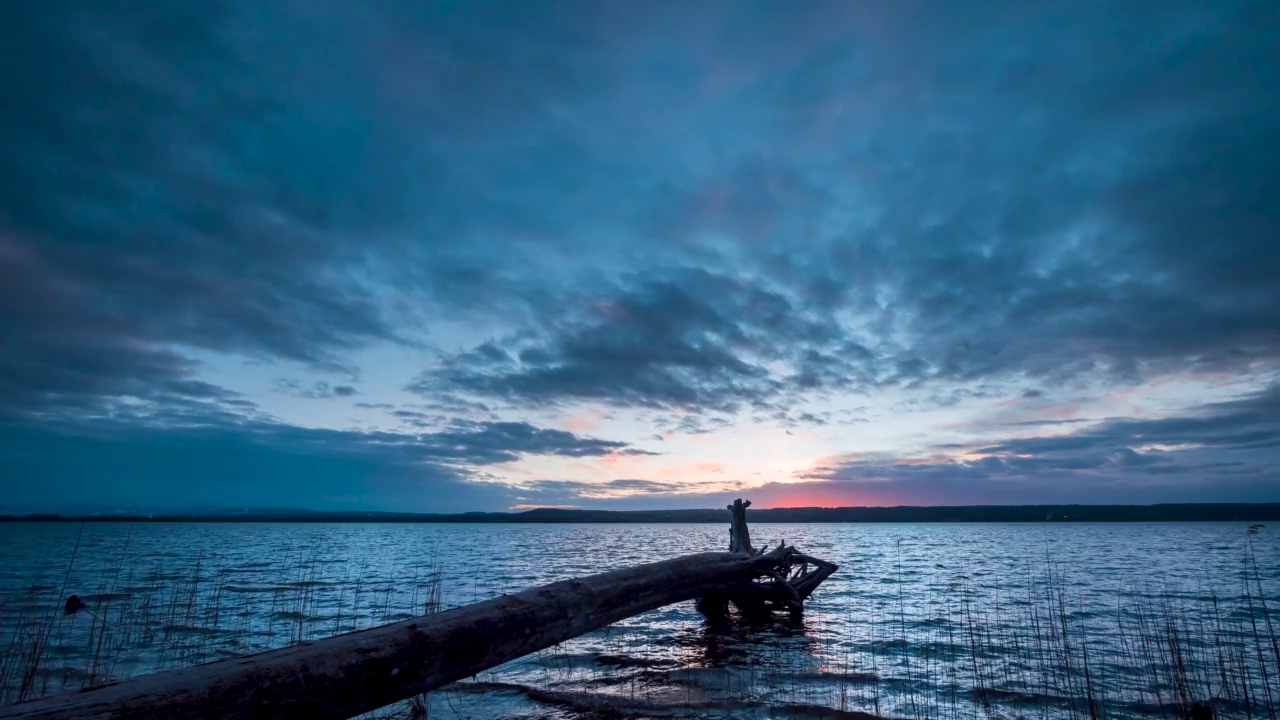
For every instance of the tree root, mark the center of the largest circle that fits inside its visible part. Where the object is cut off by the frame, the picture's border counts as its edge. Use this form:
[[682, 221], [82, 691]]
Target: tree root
[[785, 577]]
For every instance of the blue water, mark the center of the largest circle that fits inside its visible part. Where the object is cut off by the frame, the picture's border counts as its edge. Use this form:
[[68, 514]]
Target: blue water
[[922, 621]]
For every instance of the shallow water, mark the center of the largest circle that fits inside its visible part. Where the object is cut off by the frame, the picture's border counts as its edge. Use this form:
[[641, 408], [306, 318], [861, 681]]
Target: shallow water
[[922, 621]]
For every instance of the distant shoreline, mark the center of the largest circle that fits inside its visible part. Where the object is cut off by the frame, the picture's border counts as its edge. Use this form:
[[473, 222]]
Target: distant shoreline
[[1188, 512]]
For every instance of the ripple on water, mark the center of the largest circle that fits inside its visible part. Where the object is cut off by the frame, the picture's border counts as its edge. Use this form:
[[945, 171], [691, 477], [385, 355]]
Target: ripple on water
[[899, 625]]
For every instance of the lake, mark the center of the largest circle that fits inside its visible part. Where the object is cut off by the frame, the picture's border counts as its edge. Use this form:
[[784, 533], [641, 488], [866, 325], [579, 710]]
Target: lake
[[921, 621]]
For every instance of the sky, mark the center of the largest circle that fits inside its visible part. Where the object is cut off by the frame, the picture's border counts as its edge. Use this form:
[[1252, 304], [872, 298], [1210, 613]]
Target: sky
[[453, 256]]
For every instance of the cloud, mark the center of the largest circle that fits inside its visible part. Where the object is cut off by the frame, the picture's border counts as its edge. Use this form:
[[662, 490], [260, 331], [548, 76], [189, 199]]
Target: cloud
[[1217, 452], [182, 186], [137, 221], [1244, 424], [692, 424], [494, 442], [905, 206], [418, 418], [209, 458], [688, 338], [918, 212], [1057, 212], [320, 389], [626, 493], [550, 492]]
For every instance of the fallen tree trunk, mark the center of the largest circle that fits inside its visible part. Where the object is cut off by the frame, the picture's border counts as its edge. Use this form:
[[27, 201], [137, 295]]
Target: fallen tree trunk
[[350, 674], [787, 582]]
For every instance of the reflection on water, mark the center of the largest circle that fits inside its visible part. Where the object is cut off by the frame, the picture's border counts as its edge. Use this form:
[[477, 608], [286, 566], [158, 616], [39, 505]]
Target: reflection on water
[[922, 621]]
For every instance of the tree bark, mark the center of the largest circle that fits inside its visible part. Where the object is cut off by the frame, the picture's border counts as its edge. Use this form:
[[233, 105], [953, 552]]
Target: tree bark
[[739, 535], [789, 581]]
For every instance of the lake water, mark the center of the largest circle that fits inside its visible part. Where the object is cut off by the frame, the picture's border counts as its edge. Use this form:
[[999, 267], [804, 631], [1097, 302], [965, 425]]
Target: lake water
[[921, 621]]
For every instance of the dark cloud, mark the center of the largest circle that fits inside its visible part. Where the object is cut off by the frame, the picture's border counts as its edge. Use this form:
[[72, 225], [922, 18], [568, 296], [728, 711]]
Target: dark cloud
[[420, 419], [1249, 423], [604, 204], [1108, 212], [689, 338], [1228, 450], [319, 389], [138, 214], [1097, 199], [184, 178], [209, 458], [785, 419], [692, 424], [492, 442]]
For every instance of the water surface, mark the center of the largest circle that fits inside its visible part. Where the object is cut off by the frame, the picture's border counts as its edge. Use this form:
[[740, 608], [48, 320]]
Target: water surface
[[928, 620]]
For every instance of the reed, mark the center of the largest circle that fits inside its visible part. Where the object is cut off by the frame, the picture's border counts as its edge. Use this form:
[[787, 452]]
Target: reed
[[144, 619], [1157, 652]]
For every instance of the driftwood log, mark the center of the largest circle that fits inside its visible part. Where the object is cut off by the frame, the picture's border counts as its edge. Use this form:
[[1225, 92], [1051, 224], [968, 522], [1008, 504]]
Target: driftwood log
[[786, 579], [350, 674]]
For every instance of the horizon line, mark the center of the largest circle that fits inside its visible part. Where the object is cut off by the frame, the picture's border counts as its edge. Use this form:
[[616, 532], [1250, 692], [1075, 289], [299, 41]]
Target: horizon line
[[1162, 512]]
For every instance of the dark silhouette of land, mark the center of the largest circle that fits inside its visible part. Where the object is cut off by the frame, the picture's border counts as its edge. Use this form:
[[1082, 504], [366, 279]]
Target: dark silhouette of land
[[1189, 512]]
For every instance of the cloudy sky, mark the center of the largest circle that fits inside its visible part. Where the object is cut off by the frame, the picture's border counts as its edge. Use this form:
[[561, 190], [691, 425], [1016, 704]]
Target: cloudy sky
[[486, 255]]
